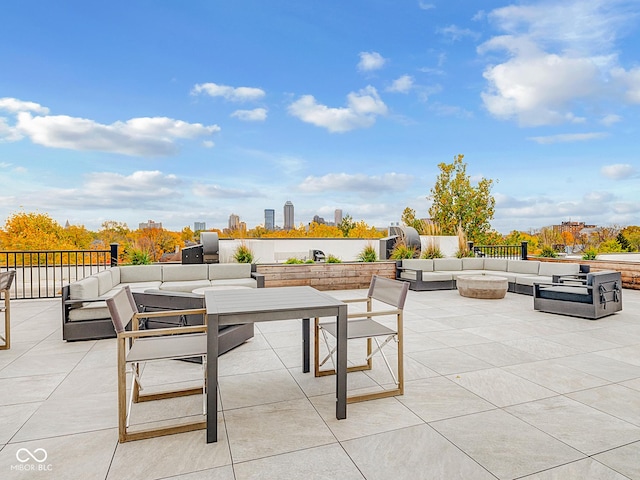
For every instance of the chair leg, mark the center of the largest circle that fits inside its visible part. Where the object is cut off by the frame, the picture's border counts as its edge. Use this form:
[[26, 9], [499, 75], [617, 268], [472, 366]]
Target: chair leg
[[7, 323]]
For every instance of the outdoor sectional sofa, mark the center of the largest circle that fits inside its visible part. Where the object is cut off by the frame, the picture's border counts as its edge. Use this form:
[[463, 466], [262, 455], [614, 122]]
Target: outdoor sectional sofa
[[441, 273], [84, 310]]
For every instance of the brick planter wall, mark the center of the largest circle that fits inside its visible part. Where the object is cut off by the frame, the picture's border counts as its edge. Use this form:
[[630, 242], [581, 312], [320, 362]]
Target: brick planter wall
[[325, 276]]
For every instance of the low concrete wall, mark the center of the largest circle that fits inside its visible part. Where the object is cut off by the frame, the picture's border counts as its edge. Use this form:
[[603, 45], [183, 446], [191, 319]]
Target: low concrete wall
[[325, 276]]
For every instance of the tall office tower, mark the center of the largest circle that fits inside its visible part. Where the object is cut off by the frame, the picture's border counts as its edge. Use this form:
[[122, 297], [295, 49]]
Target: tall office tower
[[337, 216], [269, 219], [199, 226], [234, 222], [289, 222]]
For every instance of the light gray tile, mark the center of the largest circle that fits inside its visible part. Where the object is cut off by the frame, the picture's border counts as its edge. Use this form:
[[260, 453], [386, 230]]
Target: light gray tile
[[635, 384], [218, 473], [576, 424], [239, 362], [29, 365], [412, 453], [251, 389], [276, 428], [84, 456], [555, 376], [603, 367], [498, 354], [313, 386], [457, 338], [13, 417], [582, 470], [169, 455], [629, 354], [499, 387], [623, 459], [504, 445], [615, 400], [448, 360], [365, 418], [66, 416], [18, 390], [582, 342], [542, 348], [325, 462], [439, 398]]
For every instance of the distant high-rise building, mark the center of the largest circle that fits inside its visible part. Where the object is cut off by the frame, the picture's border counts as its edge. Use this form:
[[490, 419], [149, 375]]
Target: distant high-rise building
[[150, 224], [319, 220], [199, 226], [234, 222], [289, 221], [337, 216], [269, 219]]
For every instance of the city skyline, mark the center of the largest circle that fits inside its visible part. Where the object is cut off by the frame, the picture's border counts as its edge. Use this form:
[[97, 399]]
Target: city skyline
[[197, 110]]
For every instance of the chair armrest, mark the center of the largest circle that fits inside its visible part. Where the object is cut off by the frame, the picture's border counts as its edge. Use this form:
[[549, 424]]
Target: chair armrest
[[259, 277], [163, 331], [416, 270], [374, 314], [355, 300], [73, 301], [172, 313], [578, 277], [565, 285]]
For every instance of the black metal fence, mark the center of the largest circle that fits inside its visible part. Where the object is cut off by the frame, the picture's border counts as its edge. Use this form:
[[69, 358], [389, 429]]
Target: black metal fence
[[42, 273], [517, 252]]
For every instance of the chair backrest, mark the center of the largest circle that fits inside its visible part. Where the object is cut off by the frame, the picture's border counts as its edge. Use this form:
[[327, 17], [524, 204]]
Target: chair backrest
[[6, 279], [392, 292], [122, 308]]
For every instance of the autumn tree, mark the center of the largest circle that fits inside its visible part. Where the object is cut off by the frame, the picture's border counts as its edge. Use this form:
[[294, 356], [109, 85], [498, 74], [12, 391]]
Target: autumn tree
[[362, 230], [346, 224], [114, 232], [32, 231], [455, 201]]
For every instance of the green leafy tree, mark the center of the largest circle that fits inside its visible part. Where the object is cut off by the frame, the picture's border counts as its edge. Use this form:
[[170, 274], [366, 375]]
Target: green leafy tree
[[346, 224], [455, 201]]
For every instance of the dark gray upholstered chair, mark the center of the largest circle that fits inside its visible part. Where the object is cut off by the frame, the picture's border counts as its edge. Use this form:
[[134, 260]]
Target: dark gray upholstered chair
[[6, 280], [390, 295], [594, 295], [139, 346]]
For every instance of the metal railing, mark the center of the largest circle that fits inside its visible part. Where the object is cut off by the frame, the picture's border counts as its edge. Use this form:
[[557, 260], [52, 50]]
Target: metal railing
[[42, 273], [517, 252]]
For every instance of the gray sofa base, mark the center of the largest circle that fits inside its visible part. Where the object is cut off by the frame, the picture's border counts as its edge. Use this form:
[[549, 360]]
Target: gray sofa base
[[425, 286]]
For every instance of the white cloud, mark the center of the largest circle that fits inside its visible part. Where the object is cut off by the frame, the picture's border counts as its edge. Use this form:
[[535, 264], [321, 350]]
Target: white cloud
[[216, 191], [455, 33], [618, 171], [255, 115], [561, 57], [611, 119], [362, 109], [402, 84], [138, 136], [208, 144], [371, 61], [569, 137], [13, 105], [234, 94], [426, 6], [357, 182]]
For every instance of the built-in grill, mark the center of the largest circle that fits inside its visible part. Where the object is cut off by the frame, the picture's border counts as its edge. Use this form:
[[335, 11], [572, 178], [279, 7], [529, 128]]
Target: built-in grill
[[207, 251]]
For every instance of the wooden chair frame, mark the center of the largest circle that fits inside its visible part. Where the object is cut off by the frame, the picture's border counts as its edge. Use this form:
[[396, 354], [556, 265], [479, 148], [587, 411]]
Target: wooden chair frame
[[124, 341], [368, 314], [6, 280]]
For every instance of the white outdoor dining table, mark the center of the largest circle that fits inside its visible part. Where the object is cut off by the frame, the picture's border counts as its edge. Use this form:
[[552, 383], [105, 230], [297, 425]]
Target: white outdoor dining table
[[229, 307]]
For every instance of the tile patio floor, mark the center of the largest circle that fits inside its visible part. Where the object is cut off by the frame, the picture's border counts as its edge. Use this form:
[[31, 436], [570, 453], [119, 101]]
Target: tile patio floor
[[493, 390]]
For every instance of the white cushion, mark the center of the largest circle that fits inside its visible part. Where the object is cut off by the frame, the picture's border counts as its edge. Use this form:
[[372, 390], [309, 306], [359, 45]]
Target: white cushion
[[447, 264], [424, 264], [115, 275], [218, 271], [105, 282], [179, 273], [86, 288], [90, 311], [557, 268], [497, 264], [472, 263], [523, 266], [436, 276], [140, 273], [242, 282], [185, 286], [141, 286]]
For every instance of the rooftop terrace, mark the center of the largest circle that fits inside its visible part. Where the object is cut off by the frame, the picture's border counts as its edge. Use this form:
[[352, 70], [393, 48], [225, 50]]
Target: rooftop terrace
[[493, 389]]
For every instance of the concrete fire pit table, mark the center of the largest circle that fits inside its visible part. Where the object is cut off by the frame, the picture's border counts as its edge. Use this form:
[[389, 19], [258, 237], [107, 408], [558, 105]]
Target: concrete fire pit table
[[482, 286]]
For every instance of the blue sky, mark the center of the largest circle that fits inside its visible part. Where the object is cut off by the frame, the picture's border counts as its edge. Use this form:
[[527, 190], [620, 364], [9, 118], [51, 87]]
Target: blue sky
[[190, 111]]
